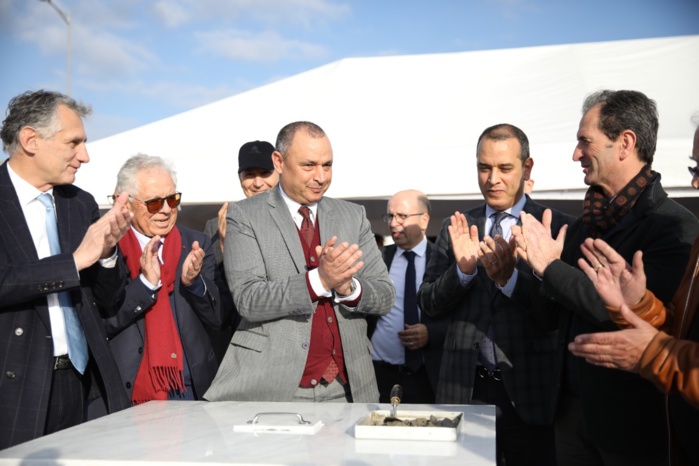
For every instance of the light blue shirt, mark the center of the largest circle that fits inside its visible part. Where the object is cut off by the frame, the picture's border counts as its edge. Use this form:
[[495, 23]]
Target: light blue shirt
[[386, 345], [506, 224]]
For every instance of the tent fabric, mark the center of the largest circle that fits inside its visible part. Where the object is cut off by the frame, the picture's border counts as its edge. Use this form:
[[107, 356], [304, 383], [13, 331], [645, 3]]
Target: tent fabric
[[399, 122]]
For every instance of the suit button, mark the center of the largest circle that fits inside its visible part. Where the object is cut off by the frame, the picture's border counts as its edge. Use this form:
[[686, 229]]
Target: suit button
[[330, 319], [128, 384], [314, 382], [138, 309], [304, 345], [476, 346], [140, 350], [19, 331], [10, 374]]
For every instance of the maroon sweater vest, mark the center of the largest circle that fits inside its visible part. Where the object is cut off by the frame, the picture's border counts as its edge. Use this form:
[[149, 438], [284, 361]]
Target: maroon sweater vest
[[325, 334]]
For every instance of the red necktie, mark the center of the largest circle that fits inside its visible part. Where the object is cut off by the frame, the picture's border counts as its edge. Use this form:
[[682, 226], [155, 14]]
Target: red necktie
[[307, 229]]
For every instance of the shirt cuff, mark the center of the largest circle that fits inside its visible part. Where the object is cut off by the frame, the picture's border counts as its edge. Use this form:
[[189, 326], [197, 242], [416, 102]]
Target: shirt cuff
[[509, 287], [465, 279], [149, 285], [109, 262], [313, 279]]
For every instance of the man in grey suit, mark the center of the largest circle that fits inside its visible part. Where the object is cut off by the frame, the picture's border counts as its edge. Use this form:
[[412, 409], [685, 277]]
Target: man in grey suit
[[305, 272], [495, 350]]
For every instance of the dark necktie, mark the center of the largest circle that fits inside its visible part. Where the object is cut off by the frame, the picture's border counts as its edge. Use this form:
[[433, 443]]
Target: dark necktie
[[413, 358], [77, 345], [306, 229], [487, 354]]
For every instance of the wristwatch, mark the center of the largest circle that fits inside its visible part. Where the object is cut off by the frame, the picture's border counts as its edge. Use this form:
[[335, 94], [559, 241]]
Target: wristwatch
[[353, 288]]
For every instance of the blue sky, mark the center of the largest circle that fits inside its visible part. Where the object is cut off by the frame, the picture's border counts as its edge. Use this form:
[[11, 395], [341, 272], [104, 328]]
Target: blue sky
[[138, 61]]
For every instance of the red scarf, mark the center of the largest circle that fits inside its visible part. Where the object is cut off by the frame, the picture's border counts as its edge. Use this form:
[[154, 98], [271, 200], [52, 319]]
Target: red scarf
[[159, 372]]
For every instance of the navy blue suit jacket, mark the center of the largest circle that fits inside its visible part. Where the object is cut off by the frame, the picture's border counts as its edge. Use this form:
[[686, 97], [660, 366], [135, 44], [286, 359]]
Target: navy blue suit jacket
[[192, 313], [26, 347]]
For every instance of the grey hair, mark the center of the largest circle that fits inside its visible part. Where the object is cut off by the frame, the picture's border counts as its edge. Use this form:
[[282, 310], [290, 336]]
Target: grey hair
[[127, 179], [627, 110], [37, 109], [287, 133]]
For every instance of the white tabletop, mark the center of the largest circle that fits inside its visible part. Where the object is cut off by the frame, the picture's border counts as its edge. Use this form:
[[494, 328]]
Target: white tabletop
[[199, 432]]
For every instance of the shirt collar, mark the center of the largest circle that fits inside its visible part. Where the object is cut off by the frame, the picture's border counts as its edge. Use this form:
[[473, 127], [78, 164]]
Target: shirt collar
[[420, 249], [513, 211], [26, 192], [294, 206]]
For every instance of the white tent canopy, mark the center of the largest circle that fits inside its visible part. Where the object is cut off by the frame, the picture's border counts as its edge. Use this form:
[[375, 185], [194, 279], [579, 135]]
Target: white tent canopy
[[412, 121]]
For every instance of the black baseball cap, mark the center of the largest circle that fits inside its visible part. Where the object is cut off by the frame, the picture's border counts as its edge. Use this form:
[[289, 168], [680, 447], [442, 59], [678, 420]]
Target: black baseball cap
[[255, 154]]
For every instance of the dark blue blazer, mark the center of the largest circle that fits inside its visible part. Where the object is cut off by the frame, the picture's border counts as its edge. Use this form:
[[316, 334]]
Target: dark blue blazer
[[525, 349], [26, 348], [192, 314]]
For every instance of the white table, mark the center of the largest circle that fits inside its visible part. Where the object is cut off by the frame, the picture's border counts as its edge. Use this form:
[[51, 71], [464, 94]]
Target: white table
[[198, 432]]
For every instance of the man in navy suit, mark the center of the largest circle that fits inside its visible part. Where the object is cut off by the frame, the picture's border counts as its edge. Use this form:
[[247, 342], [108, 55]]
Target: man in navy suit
[[404, 352], [495, 351], [158, 335], [58, 269]]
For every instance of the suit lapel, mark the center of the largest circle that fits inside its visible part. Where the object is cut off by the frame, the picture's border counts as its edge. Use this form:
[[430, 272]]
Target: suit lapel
[[21, 247], [287, 228]]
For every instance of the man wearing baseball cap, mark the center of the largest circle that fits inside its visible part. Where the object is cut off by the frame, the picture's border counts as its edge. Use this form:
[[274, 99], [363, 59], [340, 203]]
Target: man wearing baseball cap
[[256, 174]]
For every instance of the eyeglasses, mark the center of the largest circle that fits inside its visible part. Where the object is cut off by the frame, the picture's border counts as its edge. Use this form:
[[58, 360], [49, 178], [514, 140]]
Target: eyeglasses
[[400, 218], [694, 171], [154, 205]]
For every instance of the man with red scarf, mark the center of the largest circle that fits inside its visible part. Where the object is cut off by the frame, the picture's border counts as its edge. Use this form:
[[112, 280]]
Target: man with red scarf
[[158, 336], [607, 417]]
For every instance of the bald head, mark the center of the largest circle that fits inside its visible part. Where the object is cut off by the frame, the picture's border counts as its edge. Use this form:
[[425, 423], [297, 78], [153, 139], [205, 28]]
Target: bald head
[[408, 215]]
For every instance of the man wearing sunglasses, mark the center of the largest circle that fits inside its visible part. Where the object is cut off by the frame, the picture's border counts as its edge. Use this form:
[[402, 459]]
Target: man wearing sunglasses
[[58, 269], [305, 272], [158, 335]]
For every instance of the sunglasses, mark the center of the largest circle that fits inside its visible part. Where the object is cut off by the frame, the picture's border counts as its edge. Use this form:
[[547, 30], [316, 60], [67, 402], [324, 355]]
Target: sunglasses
[[154, 205]]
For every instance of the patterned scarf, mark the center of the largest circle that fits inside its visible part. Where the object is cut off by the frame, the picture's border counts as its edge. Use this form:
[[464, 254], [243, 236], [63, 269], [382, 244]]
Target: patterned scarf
[[601, 213], [162, 365]]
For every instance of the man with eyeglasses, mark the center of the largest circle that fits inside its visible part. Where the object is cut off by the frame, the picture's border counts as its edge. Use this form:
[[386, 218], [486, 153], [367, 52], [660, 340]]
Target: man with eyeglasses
[[495, 350], [58, 271], [406, 343], [158, 334]]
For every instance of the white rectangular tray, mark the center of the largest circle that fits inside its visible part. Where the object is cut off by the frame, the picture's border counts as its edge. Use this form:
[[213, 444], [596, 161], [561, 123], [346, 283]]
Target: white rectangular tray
[[364, 430]]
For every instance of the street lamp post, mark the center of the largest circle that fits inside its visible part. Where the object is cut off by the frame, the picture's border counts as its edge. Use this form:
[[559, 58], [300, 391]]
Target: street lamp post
[[66, 19]]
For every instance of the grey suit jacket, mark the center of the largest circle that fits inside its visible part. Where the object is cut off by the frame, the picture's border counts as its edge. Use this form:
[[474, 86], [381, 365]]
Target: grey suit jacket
[[525, 349], [266, 272]]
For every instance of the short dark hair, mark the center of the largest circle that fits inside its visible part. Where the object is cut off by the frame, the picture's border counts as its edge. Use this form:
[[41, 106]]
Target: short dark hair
[[627, 110], [287, 133], [503, 131], [38, 110]]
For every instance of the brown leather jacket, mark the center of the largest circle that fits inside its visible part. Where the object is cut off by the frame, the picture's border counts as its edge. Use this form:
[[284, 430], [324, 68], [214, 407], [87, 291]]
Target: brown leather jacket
[[671, 360]]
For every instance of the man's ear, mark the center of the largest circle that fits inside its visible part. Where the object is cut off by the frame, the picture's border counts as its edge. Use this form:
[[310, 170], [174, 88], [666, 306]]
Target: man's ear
[[29, 139], [278, 160], [627, 140]]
